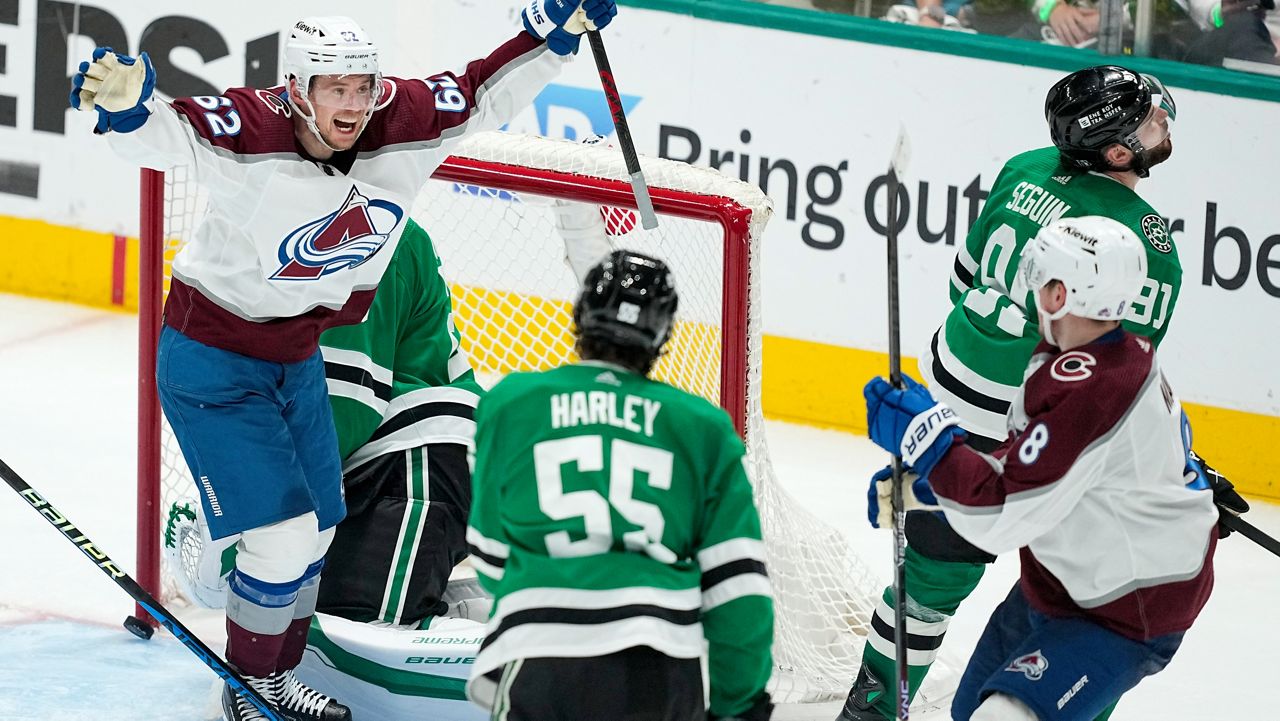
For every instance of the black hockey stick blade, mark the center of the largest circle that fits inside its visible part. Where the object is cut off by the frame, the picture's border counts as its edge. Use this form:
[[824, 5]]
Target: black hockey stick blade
[[648, 218], [1251, 532], [136, 592]]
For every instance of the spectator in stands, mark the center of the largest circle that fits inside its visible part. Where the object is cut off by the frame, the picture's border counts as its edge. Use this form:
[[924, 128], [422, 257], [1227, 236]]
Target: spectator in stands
[[1230, 29], [1211, 31], [930, 13]]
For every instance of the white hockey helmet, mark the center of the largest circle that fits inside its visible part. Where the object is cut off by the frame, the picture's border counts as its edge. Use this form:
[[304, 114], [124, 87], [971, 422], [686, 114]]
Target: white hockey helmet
[[329, 46], [1101, 262]]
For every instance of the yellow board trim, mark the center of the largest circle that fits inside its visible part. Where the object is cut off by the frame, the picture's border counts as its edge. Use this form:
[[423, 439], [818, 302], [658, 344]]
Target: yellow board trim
[[821, 385], [43, 260], [807, 382]]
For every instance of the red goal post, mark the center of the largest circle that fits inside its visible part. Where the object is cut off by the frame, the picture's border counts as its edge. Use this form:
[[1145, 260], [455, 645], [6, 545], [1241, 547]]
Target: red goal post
[[486, 211]]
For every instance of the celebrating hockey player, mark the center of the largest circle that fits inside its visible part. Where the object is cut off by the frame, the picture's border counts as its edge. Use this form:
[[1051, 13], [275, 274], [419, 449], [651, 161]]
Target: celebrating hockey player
[[309, 185], [1110, 127], [403, 394], [1091, 486], [613, 522]]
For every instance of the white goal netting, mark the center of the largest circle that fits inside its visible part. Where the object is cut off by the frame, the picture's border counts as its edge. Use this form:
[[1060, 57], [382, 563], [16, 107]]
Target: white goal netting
[[488, 213]]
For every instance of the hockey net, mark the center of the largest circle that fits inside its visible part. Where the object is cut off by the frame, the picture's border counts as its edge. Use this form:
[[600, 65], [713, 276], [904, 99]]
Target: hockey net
[[487, 212]]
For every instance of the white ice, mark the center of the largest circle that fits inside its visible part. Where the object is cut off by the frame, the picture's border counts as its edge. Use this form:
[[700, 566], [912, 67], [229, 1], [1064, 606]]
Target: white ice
[[67, 425]]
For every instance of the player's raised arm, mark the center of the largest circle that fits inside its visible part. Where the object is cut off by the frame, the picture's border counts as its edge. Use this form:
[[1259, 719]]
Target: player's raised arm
[[488, 92], [121, 89]]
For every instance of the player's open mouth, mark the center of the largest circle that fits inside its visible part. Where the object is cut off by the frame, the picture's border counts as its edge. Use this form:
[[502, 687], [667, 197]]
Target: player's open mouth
[[344, 127]]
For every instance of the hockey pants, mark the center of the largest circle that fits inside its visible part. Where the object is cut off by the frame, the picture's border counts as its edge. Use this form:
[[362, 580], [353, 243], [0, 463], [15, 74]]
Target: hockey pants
[[405, 531], [636, 684], [935, 589]]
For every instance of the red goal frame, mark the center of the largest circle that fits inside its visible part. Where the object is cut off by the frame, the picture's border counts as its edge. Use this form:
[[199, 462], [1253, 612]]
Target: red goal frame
[[733, 217]]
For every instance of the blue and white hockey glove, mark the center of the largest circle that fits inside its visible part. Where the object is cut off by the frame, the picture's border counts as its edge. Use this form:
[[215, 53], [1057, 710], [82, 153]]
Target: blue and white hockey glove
[[910, 423], [917, 495], [562, 22], [117, 86]]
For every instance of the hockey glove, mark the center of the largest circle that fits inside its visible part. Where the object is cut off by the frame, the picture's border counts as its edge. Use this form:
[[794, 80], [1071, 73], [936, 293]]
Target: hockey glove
[[917, 495], [910, 423], [562, 22], [117, 86], [1224, 494], [595, 15], [545, 20]]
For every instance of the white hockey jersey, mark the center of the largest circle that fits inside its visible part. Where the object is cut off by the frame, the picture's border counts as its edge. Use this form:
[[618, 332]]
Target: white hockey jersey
[[290, 246], [1091, 489]]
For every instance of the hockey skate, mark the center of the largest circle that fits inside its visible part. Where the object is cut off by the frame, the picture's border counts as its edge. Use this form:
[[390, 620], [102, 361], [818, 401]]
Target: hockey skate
[[300, 702], [858, 706], [237, 708]]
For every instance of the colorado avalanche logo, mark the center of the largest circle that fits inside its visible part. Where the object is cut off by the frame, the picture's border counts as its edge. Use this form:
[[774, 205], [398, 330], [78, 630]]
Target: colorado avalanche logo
[[343, 239], [1033, 666], [1073, 366]]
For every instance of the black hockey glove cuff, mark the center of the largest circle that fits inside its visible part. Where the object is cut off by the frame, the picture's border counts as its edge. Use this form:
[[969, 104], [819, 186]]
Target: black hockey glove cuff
[[1224, 495]]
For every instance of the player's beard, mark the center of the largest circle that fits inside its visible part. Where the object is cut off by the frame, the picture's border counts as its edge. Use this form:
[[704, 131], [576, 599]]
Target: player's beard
[[1159, 154]]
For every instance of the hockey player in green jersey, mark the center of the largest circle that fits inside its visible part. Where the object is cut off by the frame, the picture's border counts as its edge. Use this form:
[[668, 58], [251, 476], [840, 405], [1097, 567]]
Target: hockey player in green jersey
[[614, 524], [1109, 127], [404, 398]]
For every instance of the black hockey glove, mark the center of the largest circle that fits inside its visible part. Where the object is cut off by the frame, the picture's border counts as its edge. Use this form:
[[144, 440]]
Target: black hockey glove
[[1224, 495], [761, 711]]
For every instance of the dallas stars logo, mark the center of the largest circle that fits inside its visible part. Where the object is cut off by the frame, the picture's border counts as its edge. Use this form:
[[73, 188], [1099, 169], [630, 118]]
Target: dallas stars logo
[[1157, 233]]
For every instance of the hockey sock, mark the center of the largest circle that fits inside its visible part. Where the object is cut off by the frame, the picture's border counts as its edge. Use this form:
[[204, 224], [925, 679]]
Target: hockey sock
[[295, 636], [258, 614], [935, 590]]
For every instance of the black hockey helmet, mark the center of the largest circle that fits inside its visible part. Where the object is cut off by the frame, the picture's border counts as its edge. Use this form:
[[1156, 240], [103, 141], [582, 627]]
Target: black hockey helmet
[[628, 299], [1090, 110]]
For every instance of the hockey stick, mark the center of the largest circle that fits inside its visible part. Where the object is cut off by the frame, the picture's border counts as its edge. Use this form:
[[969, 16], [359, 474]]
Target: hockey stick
[[136, 592], [1251, 532], [648, 218], [896, 166]]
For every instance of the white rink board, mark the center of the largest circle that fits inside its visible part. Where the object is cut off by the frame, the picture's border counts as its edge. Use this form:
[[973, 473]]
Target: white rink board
[[831, 108]]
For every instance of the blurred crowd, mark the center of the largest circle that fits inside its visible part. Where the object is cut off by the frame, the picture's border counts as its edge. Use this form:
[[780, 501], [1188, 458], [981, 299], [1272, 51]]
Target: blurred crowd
[[1240, 34]]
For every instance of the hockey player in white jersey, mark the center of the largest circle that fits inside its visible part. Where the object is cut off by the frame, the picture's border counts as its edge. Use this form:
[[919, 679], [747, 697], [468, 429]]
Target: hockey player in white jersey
[[309, 185], [393, 637], [1095, 486]]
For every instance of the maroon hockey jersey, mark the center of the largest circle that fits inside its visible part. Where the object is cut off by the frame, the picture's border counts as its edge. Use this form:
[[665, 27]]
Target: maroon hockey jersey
[[1090, 487], [288, 246]]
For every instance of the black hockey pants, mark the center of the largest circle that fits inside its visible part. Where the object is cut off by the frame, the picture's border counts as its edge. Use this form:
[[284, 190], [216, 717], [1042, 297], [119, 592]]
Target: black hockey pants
[[636, 684], [404, 532]]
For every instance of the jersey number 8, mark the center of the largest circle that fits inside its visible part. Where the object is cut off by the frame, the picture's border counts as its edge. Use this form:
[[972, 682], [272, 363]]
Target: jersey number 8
[[626, 460]]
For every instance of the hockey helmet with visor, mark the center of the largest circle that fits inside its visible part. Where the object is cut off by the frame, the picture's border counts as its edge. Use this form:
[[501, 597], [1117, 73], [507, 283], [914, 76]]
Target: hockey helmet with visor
[[1092, 109], [338, 82]]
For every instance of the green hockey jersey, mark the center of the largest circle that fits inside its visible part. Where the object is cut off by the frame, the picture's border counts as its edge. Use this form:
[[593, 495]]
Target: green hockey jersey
[[612, 511], [975, 361], [398, 380]]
